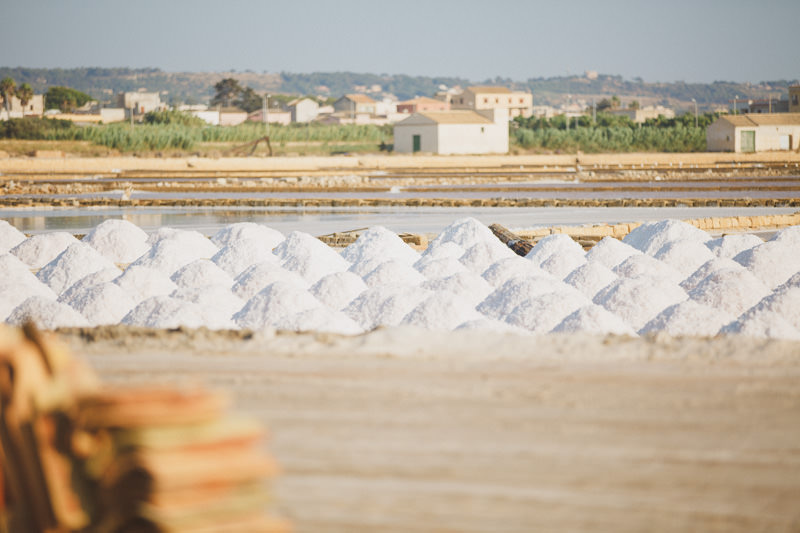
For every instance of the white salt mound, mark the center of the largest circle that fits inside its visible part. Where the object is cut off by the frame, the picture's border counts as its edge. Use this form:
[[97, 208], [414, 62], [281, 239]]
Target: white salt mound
[[261, 275], [471, 287], [386, 305], [165, 312], [46, 314], [544, 312], [709, 267], [38, 250], [492, 324], [512, 267], [9, 237], [503, 300], [170, 254], [201, 273], [17, 284], [393, 272], [650, 237], [645, 266], [728, 246], [445, 249], [773, 262], [118, 240], [684, 256], [478, 257], [777, 315], [379, 243], [75, 262], [790, 236], [561, 263], [590, 277], [464, 232], [731, 290], [439, 268], [443, 311], [239, 255], [337, 290], [611, 252], [594, 320], [689, 318], [320, 319], [248, 231], [217, 304], [270, 305], [101, 303], [638, 300], [142, 283], [553, 244], [309, 257]]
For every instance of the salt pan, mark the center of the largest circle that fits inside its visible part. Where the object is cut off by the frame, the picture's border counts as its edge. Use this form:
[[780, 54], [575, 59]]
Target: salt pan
[[542, 313], [17, 284]]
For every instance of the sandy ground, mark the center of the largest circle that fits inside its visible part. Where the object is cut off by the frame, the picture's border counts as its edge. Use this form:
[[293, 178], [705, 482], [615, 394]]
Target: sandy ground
[[401, 430]]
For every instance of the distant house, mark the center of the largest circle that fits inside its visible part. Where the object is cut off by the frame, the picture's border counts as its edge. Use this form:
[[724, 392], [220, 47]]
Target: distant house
[[274, 116], [453, 132], [517, 103], [232, 116], [355, 104], [754, 133], [640, 116], [794, 99], [140, 102], [422, 104], [769, 106], [34, 108], [303, 110]]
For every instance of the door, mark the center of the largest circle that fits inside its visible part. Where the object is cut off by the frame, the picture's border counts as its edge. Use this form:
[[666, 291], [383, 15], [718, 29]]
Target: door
[[748, 143], [785, 142], [417, 142]]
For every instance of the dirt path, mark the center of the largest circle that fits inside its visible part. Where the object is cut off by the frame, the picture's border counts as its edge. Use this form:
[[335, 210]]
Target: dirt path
[[395, 431]]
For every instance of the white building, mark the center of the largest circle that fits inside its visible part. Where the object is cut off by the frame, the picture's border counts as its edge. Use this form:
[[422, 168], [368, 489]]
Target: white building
[[141, 102], [453, 132], [35, 108], [754, 133], [303, 110]]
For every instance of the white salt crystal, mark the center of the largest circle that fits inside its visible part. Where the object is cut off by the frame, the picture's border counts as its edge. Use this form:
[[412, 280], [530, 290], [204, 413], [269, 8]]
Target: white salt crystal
[[491, 324], [773, 262], [776, 316], [309, 257], [478, 257], [594, 320], [239, 255], [9, 236], [17, 284], [38, 250], [442, 311], [731, 290], [590, 277], [201, 273], [709, 267], [95, 278], [101, 303], [217, 304], [46, 314], [164, 312], [552, 244], [75, 262], [511, 267], [648, 267], [142, 283], [382, 244], [728, 246], [386, 305], [261, 275], [272, 304], [689, 318], [439, 268], [393, 272], [611, 252], [464, 232], [337, 290], [170, 254], [544, 312], [650, 237], [790, 236], [638, 300], [684, 256], [470, 286], [442, 250], [503, 300], [247, 231], [561, 263], [118, 240]]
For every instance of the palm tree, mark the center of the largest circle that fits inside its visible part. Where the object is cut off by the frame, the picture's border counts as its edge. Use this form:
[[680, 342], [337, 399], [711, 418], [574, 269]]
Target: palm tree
[[25, 95], [7, 87]]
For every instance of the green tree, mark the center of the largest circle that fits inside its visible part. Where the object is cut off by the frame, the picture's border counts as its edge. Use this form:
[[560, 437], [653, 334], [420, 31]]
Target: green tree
[[226, 92], [25, 95], [7, 89], [249, 100], [65, 98], [634, 105]]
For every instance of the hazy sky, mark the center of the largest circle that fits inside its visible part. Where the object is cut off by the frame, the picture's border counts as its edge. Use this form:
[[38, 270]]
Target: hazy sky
[[690, 40]]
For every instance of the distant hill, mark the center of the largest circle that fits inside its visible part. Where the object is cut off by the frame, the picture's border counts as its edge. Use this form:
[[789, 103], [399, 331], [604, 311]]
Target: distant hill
[[197, 87]]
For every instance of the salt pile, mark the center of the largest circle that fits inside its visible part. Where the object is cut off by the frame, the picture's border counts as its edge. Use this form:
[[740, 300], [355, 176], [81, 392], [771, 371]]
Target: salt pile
[[17, 284], [561, 264], [773, 262], [119, 241], [478, 257], [464, 232], [76, 261], [731, 290], [47, 314], [471, 287], [442, 311], [337, 290], [511, 267], [309, 257], [248, 231], [558, 244], [393, 272], [611, 252], [776, 315], [595, 320], [590, 277], [217, 304], [38, 250], [544, 312], [638, 300], [165, 312], [684, 256], [320, 319], [709, 267], [9, 237], [502, 301], [386, 305], [689, 318], [142, 283], [272, 304], [376, 246], [652, 236], [728, 246], [236, 257], [176, 250], [261, 275], [100, 303], [647, 267], [439, 268], [201, 273]]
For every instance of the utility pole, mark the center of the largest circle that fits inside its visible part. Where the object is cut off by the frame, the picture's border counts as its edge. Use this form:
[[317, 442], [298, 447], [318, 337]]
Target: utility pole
[[594, 112], [266, 113]]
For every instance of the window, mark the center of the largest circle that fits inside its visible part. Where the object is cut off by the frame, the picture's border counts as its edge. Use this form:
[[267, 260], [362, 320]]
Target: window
[[794, 99], [521, 100], [485, 100], [496, 100], [482, 129]]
